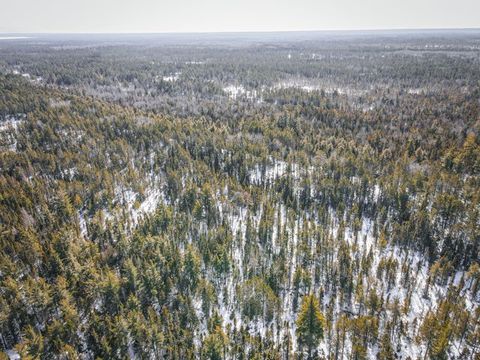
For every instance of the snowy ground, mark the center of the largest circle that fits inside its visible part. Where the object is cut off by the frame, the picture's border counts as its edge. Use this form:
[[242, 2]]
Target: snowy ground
[[172, 78], [361, 242], [8, 130]]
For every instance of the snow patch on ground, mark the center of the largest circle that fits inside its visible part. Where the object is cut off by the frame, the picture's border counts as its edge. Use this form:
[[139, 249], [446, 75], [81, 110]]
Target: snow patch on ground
[[13, 354], [11, 122], [8, 130], [237, 91], [172, 78]]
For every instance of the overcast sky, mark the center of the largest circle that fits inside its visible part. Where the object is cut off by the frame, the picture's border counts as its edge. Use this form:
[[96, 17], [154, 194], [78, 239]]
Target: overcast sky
[[87, 16]]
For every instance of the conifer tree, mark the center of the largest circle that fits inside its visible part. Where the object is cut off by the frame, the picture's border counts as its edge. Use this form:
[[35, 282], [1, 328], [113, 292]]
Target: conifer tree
[[386, 349], [310, 324]]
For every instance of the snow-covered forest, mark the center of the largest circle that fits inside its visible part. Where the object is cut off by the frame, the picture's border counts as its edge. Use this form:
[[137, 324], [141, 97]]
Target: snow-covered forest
[[240, 197]]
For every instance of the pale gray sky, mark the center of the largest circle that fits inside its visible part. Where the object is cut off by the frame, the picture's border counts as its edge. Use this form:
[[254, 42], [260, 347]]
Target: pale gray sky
[[85, 16]]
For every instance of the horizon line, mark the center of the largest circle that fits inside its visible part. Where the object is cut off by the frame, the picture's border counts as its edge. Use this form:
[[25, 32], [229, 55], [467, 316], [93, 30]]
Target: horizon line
[[244, 31]]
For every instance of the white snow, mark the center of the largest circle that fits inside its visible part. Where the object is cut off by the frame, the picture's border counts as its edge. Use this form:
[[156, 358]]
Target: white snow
[[415, 91], [172, 78], [11, 122], [9, 128], [14, 37], [236, 91], [13, 354]]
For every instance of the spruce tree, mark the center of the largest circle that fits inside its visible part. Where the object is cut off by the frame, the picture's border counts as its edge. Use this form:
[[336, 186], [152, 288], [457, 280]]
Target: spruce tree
[[310, 324]]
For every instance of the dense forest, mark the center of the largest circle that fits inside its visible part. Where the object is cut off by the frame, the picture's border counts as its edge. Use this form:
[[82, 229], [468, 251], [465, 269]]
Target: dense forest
[[296, 196]]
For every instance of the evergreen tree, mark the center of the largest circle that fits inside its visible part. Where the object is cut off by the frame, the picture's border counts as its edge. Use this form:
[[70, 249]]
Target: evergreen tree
[[310, 324], [386, 349]]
